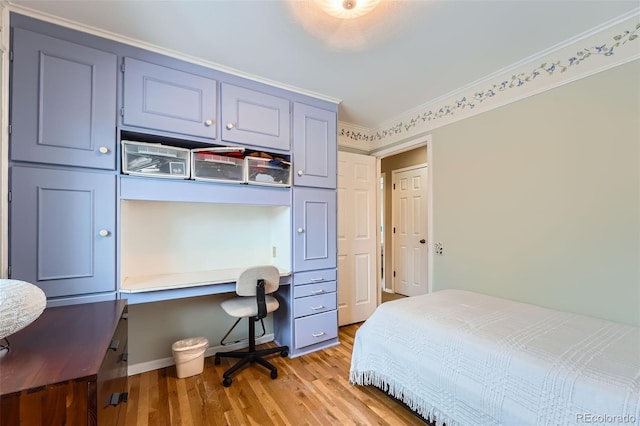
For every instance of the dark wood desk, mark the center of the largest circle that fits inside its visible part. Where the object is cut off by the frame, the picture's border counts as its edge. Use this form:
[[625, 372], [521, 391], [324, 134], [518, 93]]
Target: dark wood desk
[[69, 367]]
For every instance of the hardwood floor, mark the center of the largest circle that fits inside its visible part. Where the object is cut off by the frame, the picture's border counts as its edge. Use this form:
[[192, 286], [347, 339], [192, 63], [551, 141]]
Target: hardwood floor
[[312, 389]]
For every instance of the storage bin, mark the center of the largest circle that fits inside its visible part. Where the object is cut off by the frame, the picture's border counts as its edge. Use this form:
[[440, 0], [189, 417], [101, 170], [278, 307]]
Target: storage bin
[[218, 164], [157, 160], [267, 171], [189, 356]]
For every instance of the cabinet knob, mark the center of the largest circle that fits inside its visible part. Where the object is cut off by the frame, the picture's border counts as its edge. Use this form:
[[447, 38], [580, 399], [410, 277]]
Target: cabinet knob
[[300, 172], [208, 123], [230, 126], [300, 230], [104, 233], [103, 150]]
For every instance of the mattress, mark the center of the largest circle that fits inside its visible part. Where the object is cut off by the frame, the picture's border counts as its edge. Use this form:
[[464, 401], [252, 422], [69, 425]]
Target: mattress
[[464, 358]]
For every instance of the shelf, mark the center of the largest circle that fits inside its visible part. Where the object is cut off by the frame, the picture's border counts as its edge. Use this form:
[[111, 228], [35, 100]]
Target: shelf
[[151, 189]]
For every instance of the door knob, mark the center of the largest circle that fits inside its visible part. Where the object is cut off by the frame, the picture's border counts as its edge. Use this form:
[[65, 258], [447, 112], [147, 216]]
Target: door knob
[[104, 233], [230, 126], [300, 172], [208, 123], [103, 150], [422, 241], [300, 230]]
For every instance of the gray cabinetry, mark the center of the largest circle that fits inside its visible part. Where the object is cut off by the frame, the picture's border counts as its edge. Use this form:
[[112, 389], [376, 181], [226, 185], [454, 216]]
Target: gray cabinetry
[[63, 102], [314, 146], [254, 118], [61, 230], [161, 98], [314, 229]]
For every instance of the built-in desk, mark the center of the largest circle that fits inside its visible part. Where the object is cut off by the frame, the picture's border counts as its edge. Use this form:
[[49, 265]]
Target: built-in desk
[[153, 288]]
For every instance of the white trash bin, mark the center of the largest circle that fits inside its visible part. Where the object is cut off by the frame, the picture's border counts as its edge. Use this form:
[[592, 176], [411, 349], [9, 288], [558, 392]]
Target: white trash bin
[[189, 356]]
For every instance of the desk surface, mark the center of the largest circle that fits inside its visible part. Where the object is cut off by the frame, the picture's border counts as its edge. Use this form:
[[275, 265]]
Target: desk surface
[[65, 343], [159, 282]]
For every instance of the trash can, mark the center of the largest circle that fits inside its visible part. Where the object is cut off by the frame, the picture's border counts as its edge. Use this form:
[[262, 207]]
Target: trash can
[[189, 356]]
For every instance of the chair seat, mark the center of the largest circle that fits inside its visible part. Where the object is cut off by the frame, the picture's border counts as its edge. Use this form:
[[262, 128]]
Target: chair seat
[[247, 307]]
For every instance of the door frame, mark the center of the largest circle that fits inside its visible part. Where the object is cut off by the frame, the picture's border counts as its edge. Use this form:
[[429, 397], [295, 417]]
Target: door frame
[[424, 140]]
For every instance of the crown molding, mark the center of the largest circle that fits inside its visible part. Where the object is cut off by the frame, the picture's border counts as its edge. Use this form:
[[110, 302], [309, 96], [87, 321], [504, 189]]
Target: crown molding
[[609, 45], [23, 10]]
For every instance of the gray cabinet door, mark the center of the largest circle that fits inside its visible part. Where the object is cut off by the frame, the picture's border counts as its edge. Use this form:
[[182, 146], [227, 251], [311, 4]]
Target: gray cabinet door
[[162, 98], [250, 117], [314, 146], [63, 102], [62, 226], [314, 232]]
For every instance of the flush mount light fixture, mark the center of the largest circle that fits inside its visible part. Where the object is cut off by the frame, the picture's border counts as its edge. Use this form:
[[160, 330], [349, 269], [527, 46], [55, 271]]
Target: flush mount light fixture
[[347, 9]]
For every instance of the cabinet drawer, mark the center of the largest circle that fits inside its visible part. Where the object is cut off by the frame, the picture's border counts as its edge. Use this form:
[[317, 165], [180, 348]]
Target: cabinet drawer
[[314, 305], [112, 377], [314, 289], [316, 328], [316, 276]]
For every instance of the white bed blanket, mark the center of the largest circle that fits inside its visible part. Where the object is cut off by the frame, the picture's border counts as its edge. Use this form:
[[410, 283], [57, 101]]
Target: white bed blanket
[[465, 358]]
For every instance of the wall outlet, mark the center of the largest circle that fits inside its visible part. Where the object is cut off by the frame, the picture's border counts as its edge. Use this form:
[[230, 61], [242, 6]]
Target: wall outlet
[[438, 249]]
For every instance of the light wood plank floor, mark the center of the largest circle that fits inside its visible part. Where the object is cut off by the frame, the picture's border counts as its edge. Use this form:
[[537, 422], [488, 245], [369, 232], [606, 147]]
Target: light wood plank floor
[[312, 389]]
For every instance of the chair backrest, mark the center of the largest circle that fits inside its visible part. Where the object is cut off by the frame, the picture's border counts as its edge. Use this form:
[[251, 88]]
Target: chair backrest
[[246, 283]]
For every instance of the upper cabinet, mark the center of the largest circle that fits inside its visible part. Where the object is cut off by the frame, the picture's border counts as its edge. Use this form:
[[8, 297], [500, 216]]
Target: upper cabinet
[[161, 98], [254, 118], [314, 146], [63, 102]]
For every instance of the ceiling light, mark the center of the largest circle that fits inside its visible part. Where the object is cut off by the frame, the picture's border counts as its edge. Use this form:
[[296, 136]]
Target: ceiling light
[[347, 9]]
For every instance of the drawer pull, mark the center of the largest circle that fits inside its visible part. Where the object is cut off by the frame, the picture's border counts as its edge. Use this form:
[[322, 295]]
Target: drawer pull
[[322, 333], [116, 398], [114, 345], [315, 280], [315, 308], [318, 291]]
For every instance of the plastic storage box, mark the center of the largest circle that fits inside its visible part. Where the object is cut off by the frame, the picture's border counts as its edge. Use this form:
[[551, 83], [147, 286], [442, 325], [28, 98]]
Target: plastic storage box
[[267, 171], [151, 159], [218, 164]]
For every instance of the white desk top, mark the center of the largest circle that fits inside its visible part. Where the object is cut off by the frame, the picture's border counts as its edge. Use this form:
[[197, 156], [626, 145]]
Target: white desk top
[[139, 284]]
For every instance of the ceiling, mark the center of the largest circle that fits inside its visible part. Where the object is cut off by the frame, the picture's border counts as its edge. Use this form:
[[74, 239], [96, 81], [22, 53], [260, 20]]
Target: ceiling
[[402, 55]]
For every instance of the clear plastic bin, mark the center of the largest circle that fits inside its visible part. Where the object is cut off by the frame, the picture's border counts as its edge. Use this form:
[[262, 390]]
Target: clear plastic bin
[[152, 159], [267, 171], [218, 164], [189, 356]]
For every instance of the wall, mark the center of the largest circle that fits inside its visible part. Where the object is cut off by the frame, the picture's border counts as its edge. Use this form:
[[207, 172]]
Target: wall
[[539, 200], [387, 165]]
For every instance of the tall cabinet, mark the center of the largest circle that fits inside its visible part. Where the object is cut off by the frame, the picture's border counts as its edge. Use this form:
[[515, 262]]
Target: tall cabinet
[[314, 229], [62, 173]]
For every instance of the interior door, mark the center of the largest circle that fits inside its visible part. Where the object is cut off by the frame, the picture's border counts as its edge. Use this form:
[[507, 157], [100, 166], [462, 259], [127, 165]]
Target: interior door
[[409, 218], [357, 252]]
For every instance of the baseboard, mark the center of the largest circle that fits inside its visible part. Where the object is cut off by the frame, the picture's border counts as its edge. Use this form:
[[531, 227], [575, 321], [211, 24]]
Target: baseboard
[[143, 367]]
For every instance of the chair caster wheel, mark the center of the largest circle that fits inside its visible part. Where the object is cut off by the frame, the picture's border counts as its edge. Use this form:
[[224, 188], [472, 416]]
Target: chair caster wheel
[[216, 360], [274, 374], [226, 382], [284, 354]]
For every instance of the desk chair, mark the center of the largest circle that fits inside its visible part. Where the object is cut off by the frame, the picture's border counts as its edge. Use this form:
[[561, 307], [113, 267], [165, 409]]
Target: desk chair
[[253, 302]]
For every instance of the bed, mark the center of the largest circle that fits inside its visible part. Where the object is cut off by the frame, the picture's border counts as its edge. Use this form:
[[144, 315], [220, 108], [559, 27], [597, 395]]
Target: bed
[[464, 358]]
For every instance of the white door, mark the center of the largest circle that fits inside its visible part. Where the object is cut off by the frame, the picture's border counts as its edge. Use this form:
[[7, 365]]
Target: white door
[[357, 252], [409, 218]]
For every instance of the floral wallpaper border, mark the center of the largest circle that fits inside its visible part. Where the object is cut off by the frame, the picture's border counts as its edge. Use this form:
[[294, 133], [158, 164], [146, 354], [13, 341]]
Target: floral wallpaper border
[[517, 80]]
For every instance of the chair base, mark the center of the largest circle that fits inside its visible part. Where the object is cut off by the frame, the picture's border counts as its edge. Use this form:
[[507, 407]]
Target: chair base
[[250, 357]]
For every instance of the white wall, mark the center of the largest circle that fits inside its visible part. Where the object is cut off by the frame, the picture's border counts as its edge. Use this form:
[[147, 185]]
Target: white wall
[[539, 200]]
